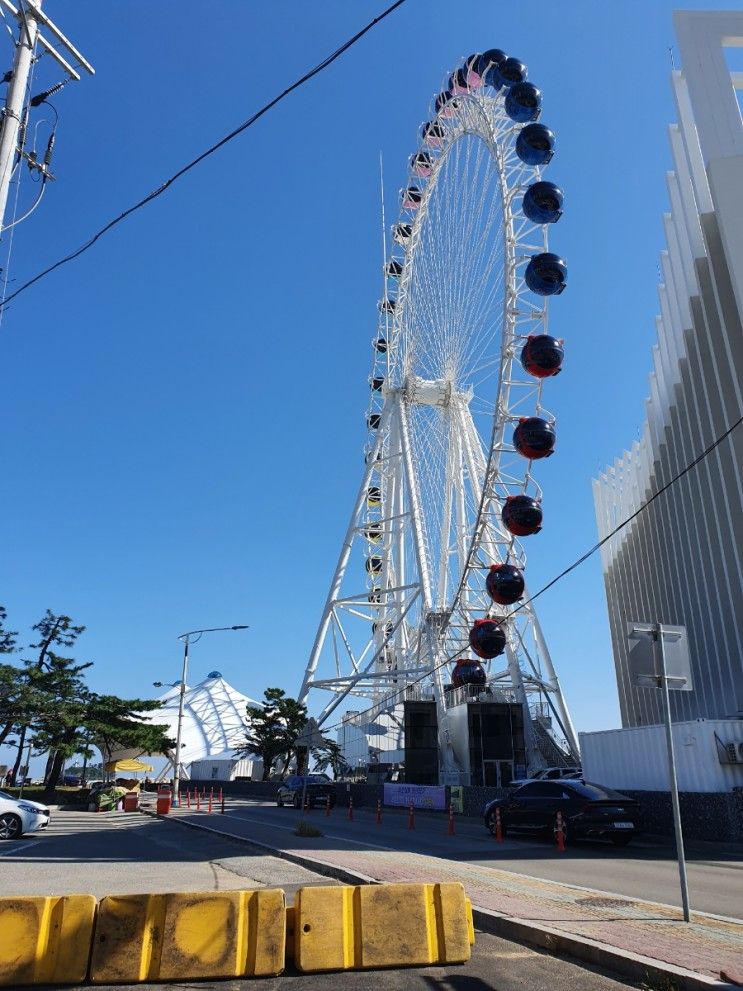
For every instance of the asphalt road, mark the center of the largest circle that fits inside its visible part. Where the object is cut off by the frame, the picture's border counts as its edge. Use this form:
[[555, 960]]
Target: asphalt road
[[496, 965], [642, 870], [119, 853]]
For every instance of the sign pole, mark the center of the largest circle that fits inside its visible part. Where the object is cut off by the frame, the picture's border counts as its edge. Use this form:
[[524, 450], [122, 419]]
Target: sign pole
[[663, 679]]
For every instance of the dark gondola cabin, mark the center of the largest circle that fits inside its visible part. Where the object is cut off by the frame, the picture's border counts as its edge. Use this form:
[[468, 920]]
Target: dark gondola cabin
[[542, 356], [535, 144], [505, 584], [522, 515], [487, 638], [546, 274], [534, 437]]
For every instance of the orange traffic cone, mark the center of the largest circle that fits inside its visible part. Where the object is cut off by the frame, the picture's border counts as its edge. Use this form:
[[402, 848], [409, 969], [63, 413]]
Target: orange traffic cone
[[379, 812], [451, 820], [559, 833]]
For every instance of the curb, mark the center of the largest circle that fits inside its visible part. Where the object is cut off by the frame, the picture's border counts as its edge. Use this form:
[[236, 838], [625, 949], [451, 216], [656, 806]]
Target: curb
[[632, 965]]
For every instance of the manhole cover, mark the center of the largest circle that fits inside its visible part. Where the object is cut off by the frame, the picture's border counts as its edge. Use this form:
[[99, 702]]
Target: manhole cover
[[598, 902]]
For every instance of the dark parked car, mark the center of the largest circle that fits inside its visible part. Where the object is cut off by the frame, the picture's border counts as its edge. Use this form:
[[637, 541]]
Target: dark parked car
[[320, 791], [588, 810]]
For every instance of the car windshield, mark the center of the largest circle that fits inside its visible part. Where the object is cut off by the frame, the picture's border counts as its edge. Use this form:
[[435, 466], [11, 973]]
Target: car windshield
[[4, 794], [317, 778]]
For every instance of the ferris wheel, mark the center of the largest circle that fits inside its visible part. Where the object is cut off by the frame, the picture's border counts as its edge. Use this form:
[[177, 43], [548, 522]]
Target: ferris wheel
[[429, 597]]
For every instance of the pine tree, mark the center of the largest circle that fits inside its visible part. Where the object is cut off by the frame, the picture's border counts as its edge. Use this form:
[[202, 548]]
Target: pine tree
[[273, 727]]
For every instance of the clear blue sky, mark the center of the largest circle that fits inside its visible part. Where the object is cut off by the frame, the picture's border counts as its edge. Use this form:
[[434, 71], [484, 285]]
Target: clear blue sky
[[183, 408]]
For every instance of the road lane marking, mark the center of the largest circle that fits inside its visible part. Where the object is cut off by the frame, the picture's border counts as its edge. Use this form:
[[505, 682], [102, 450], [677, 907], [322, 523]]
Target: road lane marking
[[20, 845]]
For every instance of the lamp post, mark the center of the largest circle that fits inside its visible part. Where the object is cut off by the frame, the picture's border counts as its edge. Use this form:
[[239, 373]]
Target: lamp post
[[193, 636]]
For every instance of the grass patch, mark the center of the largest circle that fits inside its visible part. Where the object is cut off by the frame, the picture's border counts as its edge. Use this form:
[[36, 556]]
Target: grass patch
[[659, 984], [305, 829]]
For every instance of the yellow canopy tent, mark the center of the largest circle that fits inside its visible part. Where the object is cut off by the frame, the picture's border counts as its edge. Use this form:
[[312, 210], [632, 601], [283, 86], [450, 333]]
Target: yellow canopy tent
[[128, 765]]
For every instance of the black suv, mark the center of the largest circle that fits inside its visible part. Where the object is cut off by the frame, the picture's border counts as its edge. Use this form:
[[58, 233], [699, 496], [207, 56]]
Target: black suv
[[320, 791], [587, 810]]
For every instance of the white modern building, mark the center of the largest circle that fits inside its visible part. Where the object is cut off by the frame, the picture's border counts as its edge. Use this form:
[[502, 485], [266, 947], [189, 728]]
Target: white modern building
[[680, 561]]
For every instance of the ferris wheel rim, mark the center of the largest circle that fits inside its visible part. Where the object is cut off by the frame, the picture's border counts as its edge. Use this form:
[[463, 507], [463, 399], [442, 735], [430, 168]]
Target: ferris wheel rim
[[488, 133]]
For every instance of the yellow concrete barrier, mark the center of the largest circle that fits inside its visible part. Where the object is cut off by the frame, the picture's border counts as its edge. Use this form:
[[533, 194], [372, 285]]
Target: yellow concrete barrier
[[45, 940], [193, 935], [212, 935], [387, 925]]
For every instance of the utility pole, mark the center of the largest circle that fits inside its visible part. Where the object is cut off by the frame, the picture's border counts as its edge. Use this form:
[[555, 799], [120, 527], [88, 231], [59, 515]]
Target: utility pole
[[14, 104], [31, 21]]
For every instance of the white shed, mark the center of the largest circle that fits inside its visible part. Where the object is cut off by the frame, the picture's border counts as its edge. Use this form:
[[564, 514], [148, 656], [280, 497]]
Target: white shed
[[225, 767], [709, 756]]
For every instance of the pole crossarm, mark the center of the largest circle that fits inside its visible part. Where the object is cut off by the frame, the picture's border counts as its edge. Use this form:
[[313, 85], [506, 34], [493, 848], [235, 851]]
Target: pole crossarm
[[34, 11]]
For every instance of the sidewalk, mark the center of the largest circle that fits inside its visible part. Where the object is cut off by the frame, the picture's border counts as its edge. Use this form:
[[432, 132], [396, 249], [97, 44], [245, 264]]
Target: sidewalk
[[646, 932]]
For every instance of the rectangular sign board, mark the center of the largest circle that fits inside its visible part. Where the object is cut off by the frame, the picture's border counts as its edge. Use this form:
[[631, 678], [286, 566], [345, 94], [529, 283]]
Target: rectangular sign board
[[645, 659], [420, 796]]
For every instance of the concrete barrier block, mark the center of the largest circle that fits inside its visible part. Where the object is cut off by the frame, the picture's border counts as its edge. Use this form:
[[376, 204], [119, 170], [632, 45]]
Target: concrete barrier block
[[191, 935], [45, 940], [386, 925], [470, 922]]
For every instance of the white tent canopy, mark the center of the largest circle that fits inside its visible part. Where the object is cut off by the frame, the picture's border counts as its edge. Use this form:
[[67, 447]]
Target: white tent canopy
[[214, 719]]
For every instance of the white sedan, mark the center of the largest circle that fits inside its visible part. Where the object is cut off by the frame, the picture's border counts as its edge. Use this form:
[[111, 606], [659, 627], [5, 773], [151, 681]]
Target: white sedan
[[19, 816]]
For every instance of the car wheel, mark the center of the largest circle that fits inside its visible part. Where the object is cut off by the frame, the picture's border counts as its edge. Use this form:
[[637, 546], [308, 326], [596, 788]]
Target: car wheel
[[280, 801], [620, 839], [297, 801], [11, 826]]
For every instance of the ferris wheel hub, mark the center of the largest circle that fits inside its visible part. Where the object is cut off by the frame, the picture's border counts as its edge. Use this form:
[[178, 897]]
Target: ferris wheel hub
[[434, 392]]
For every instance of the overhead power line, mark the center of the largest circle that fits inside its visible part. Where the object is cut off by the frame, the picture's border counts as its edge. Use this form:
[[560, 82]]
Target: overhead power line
[[204, 155], [576, 564]]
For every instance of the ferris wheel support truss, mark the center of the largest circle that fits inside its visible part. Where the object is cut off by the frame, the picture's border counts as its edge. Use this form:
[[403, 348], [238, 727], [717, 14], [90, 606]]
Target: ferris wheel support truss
[[391, 634]]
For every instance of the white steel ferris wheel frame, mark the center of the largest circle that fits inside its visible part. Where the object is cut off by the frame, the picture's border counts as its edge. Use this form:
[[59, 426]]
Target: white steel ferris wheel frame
[[425, 591]]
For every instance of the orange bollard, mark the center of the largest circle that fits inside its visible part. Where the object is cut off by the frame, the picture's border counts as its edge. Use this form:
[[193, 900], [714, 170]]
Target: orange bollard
[[559, 833], [188, 798], [498, 826], [350, 808], [379, 812], [211, 796], [198, 801], [451, 820], [221, 799], [411, 817]]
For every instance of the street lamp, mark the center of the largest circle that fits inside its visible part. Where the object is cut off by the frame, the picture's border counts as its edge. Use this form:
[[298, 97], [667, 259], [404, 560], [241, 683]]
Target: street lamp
[[193, 636]]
